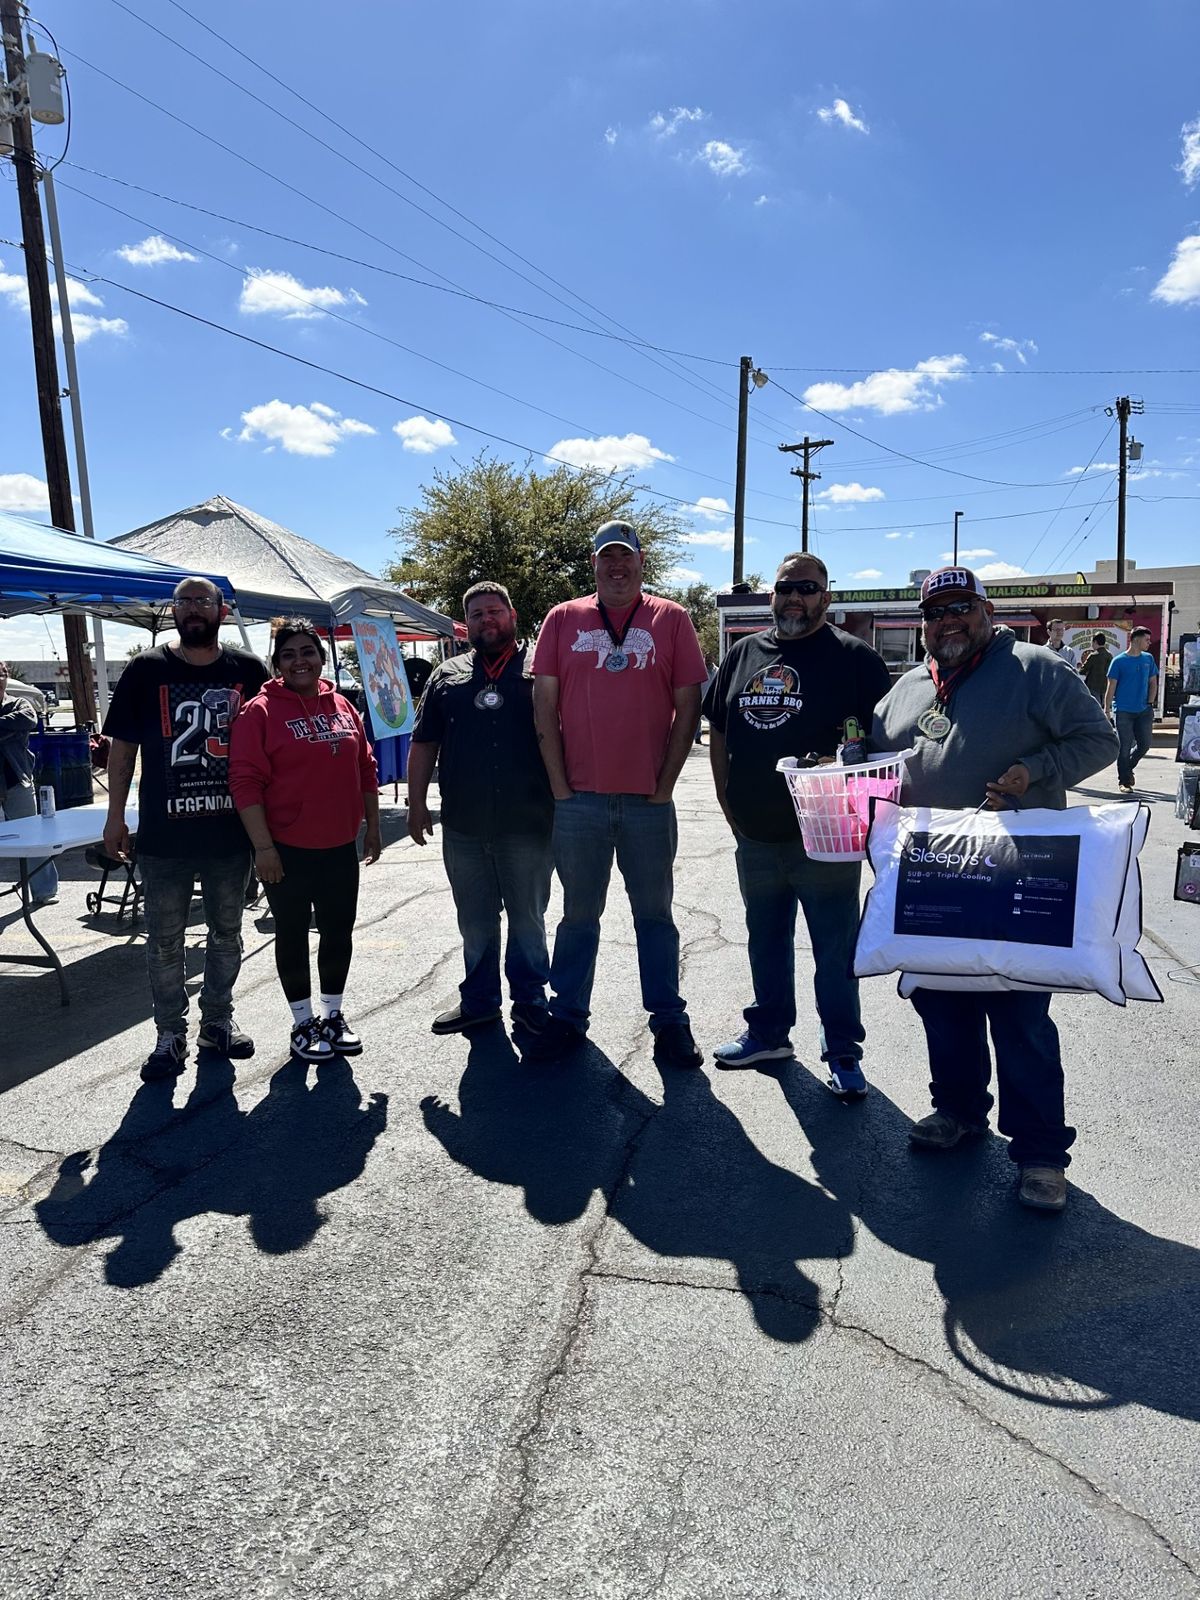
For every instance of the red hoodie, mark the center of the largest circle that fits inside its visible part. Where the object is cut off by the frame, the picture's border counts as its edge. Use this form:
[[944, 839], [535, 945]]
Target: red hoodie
[[306, 760]]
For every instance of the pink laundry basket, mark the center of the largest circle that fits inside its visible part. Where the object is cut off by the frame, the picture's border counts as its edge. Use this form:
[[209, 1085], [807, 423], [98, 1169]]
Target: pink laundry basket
[[833, 803]]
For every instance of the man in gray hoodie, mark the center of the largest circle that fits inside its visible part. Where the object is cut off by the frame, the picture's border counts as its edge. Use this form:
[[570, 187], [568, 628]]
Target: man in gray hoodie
[[994, 722]]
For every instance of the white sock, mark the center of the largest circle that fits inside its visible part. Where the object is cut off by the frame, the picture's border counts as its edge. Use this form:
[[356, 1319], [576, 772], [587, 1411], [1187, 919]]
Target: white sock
[[301, 1011], [330, 1003]]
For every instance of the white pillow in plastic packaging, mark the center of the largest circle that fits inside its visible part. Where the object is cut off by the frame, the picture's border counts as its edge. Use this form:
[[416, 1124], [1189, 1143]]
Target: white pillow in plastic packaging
[[1013, 900]]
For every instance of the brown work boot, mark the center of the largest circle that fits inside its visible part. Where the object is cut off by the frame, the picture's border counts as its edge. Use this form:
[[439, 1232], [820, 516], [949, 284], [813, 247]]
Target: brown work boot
[[1043, 1188], [941, 1131]]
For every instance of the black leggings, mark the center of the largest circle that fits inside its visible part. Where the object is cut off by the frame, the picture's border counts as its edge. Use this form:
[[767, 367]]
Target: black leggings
[[324, 881]]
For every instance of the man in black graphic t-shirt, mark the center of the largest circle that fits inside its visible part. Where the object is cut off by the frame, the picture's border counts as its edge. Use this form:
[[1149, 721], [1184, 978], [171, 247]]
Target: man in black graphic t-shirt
[[788, 692], [176, 704]]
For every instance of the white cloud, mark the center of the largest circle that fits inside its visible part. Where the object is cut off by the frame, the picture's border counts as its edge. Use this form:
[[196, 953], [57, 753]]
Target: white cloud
[[279, 294], [422, 436], [763, 200], [1180, 283], [1021, 348], [967, 555], [997, 571], [723, 159], [153, 252], [868, 572], [1095, 466], [21, 491], [15, 290], [611, 135], [840, 111], [668, 123], [712, 538], [1189, 164], [85, 326], [78, 294], [714, 507], [312, 430], [684, 575], [609, 453], [890, 391], [897, 535], [850, 494]]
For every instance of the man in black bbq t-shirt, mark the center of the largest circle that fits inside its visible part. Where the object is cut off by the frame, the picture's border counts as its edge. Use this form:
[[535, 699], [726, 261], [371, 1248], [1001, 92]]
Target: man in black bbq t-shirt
[[788, 692], [475, 722], [176, 704]]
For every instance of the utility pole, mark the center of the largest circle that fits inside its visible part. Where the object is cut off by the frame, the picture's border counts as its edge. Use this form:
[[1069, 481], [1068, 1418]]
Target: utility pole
[[1122, 408], [957, 516], [54, 442], [808, 447], [745, 367]]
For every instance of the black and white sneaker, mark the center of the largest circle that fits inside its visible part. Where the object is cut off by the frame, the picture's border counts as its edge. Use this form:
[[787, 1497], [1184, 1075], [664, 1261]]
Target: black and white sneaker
[[226, 1039], [343, 1041], [309, 1042], [166, 1059]]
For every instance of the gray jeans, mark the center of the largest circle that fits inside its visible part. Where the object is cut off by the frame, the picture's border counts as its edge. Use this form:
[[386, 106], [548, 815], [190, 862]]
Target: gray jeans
[[169, 882], [17, 802]]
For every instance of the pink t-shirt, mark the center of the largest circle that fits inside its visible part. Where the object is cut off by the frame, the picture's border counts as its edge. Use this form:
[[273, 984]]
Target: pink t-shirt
[[615, 725]]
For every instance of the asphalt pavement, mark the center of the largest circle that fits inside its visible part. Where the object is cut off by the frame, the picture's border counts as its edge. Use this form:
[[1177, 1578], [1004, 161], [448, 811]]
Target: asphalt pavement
[[435, 1324]]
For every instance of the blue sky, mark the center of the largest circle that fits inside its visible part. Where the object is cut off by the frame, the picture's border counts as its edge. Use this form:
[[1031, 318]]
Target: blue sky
[[884, 206]]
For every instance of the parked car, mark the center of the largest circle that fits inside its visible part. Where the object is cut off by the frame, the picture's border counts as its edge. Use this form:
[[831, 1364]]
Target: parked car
[[27, 691]]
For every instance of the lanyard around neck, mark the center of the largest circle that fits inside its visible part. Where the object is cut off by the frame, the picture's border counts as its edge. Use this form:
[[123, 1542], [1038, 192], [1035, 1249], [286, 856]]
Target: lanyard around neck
[[493, 669], [618, 639]]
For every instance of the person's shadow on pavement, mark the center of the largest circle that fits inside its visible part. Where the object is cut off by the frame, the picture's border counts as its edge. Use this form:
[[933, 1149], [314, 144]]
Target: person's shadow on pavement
[[164, 1164], [684, 1179], [1081, 1311]]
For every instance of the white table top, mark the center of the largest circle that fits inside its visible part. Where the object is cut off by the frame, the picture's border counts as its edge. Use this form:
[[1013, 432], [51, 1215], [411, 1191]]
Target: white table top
[[36, 838]]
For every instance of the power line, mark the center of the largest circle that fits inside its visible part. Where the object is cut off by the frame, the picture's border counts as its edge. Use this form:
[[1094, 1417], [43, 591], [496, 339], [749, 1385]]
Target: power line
[[1101, 442]]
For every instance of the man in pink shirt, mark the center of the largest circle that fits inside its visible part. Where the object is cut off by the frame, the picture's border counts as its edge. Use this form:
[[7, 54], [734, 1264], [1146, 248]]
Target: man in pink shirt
[[616, 696]]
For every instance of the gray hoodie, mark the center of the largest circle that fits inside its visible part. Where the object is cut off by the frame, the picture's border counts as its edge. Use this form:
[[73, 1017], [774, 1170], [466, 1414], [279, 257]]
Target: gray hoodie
[[17, 721], [1021, 703]]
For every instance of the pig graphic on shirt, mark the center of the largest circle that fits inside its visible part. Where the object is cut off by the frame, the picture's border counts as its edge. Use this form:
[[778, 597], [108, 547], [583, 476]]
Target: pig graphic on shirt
[[638, 643]]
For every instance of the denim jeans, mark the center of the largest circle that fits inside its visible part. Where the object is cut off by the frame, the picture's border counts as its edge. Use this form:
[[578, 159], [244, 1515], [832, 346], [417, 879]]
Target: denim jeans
[[589, 829], [509, 873], [774, 880], [1029, 1070], [17, 802], [1135, 730], [168, 882]]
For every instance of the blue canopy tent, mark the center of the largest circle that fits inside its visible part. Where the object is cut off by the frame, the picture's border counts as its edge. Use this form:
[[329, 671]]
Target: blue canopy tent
[[43, 569]]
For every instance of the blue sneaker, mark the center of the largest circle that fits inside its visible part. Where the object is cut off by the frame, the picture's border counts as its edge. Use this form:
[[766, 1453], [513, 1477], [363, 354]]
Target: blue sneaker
[[748, 1051], [846, 1078]]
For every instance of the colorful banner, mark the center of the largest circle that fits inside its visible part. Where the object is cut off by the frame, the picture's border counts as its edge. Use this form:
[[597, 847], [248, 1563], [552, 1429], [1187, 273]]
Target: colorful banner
[[384, 680]]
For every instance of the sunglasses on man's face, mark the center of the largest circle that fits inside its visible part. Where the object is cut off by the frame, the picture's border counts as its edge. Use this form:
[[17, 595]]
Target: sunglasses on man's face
[[800, 586], [956, 608]]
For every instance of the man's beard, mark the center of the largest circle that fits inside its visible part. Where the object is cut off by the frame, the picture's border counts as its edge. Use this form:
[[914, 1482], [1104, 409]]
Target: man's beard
[[496, 645], [197, 633], [796, 625]]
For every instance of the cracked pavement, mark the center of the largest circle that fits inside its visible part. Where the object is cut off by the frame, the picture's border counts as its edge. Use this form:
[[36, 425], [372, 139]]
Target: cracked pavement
[[432, 1324]]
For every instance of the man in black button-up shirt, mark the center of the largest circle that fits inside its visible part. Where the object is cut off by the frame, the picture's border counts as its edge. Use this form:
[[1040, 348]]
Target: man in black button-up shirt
[[475, 721]]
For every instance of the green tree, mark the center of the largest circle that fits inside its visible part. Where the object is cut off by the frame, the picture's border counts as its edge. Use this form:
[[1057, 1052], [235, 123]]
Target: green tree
[[699, 600], [528, 529]]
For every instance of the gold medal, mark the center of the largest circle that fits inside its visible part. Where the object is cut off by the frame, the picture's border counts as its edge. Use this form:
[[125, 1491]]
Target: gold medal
[[934, 724]]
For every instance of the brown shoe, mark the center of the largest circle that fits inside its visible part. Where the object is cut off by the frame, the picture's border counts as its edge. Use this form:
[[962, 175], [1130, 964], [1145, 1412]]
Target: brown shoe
[[1043, 1188], [940, 1131]]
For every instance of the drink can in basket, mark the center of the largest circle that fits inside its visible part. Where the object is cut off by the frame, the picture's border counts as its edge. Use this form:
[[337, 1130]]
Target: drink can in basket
[[46, 800]]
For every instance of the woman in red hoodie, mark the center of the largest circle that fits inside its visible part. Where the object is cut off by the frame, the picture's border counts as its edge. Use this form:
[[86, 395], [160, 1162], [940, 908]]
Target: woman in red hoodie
[[302, 777]]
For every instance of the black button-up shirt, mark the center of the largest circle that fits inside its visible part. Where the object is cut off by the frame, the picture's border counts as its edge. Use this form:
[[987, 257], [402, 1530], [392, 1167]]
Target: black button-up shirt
[[490, 772]]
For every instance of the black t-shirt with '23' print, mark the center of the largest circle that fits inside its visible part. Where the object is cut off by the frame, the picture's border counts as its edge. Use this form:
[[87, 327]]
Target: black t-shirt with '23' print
[[180, 716], [776, 697]]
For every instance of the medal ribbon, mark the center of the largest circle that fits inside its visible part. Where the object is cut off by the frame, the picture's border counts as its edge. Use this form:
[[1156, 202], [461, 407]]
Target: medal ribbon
[[945, 683], [618, 639], [493, 669]]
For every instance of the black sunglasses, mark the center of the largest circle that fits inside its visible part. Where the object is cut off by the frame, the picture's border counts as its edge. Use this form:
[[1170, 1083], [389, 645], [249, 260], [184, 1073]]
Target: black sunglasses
[[801, 586], [955, 608]]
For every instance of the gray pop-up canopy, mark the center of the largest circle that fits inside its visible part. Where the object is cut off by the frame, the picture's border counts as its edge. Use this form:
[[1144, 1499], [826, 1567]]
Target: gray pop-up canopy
[[275, 572]]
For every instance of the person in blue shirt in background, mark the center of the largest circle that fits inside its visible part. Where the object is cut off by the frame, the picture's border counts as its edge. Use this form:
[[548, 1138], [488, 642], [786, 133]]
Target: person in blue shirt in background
[[1132, 690]]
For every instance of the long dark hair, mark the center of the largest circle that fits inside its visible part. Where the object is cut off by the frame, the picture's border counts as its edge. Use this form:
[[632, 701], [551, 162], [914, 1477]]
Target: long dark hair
[[290, 628]]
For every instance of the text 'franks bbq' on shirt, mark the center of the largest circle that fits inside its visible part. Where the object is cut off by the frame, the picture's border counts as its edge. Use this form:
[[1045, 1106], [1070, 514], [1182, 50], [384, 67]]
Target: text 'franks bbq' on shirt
[[616, 724], [180, 717]]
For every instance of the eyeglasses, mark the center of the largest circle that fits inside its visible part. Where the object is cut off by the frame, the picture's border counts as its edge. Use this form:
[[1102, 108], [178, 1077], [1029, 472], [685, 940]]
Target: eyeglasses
[[956, 608], [191, 602], [803, 586]]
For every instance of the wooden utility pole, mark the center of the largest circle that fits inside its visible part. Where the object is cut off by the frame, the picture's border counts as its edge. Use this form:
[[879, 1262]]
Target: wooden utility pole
[[808, 448], [745, 368], [54, 441]]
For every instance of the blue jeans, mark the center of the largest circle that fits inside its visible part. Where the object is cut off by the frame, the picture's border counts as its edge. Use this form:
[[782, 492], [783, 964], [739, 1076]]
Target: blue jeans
[[17, 802], [589, 829], [1135, 730], [1029, 1071], [511, 873], [169, 882], [774, 880]]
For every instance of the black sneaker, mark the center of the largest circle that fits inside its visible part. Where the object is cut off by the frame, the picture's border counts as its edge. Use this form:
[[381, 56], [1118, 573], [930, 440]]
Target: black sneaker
[[309, 1042], [166, 1059], [460, 1021], [675, 1047], [226, 1040], [530, 1015], [557, 1038], [342, 1039]]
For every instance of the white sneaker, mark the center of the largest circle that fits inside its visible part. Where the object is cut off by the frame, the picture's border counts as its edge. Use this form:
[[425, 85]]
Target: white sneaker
[[309, 1042]]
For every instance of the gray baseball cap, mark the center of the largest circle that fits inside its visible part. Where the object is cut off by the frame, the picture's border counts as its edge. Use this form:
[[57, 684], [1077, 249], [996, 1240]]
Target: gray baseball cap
[[616, 533]]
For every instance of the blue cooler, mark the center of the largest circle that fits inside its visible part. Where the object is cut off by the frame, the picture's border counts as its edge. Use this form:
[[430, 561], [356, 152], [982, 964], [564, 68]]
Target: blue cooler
[[63, 759]]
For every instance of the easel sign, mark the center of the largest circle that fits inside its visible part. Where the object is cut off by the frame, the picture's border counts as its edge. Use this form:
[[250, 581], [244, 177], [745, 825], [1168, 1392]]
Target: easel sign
[[384, 680]]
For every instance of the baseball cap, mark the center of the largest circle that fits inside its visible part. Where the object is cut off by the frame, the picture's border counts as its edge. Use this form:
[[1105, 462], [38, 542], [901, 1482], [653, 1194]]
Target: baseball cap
[[616, 533], [947, 581]]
